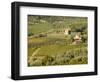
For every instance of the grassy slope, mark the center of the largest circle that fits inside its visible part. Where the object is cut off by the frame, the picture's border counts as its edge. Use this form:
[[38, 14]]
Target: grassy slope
[[38, 28], [56, 50], [59, 55]]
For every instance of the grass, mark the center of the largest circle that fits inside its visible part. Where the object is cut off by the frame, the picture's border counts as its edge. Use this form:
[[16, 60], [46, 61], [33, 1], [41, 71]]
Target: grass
[[38, 28], [61, 54]]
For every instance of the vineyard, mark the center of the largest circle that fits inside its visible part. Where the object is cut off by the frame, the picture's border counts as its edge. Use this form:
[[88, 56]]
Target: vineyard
[[57, 40]]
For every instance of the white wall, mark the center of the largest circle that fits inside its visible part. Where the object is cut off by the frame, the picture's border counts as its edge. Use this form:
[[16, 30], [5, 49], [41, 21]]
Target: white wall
[[5, 40]]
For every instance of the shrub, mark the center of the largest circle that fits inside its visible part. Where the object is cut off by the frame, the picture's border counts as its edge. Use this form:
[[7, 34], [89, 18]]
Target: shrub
[[79, 60], [42, 35]]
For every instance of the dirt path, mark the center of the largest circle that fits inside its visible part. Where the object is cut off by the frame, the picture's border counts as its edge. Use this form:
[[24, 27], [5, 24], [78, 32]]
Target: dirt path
[[34, 53]]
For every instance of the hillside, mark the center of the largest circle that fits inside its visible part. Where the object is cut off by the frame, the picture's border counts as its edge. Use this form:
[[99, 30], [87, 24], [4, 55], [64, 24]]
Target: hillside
[[57, 40]]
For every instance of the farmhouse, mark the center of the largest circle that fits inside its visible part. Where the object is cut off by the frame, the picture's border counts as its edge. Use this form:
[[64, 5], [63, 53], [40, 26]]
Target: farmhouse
[[67, 31], [77, 39]]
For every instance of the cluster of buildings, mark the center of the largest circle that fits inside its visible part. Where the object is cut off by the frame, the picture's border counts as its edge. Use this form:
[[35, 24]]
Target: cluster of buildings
[[77, 39]]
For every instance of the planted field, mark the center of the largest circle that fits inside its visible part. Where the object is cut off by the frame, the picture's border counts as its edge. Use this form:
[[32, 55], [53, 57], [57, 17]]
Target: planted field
[[57, 41]]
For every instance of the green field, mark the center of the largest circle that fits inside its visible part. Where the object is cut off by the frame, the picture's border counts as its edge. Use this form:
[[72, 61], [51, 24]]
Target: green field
[[48, 44]]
